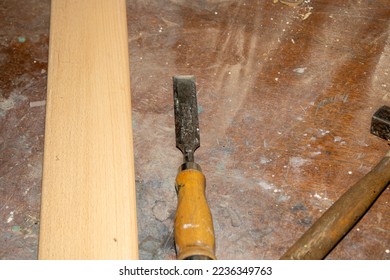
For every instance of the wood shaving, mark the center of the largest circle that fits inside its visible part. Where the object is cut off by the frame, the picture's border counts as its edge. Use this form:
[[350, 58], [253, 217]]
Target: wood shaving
[[306, 15]]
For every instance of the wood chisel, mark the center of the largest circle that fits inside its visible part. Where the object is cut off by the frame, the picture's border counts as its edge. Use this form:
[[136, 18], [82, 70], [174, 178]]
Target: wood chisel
[[194, 230]]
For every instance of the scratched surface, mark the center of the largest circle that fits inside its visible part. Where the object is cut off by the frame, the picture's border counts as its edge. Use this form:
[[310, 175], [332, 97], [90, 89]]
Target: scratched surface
[[285, 99]]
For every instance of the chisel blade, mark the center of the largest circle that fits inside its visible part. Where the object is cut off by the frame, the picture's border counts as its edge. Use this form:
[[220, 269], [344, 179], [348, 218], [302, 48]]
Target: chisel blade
[[186, 116]]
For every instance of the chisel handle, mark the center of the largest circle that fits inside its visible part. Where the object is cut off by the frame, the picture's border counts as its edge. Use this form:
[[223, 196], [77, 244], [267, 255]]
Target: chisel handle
[[194, 230]]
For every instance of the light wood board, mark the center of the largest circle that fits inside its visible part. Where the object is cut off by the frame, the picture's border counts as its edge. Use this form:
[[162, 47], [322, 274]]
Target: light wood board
[[88, 190]]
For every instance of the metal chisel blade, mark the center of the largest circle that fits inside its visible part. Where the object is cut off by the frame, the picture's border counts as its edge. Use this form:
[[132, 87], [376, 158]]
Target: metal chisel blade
[[186, 116]]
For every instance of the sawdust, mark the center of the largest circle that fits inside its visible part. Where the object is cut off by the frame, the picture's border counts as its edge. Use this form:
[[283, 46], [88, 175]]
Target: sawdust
[[7, 104], [161, 211], [265, 185], [10, 217], [296, 162], [37, 103], [300, 70]]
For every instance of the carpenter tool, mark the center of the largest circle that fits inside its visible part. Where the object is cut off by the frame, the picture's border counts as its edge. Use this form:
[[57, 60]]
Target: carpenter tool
[[339, 219], [194, 231]]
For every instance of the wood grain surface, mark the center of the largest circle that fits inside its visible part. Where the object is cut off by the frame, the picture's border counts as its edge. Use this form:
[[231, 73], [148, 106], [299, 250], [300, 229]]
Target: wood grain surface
[[88, 192]]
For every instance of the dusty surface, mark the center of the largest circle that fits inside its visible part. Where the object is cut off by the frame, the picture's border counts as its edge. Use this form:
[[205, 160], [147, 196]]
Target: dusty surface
[[23, 64], [285, 97]]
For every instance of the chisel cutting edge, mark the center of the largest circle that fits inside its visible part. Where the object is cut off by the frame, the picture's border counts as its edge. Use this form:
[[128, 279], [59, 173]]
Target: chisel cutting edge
[[194, 231]]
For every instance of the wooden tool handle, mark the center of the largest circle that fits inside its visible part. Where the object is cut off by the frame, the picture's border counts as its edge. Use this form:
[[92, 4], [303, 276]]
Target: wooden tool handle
[[194, 231], [338, 220]]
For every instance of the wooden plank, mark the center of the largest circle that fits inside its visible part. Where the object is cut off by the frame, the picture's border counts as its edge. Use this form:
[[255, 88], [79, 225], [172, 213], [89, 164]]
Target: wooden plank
[[88, 189]]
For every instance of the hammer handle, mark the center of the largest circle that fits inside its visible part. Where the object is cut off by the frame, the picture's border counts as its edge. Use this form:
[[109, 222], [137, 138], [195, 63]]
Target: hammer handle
[[194, 231], [336, 222]]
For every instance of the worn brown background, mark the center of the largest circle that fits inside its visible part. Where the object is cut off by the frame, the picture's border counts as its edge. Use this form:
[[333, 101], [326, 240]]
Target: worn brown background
[[285, 98]]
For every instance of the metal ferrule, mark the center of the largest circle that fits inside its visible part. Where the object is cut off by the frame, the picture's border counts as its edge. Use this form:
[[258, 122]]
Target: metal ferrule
[[190, 165], [198, 257]]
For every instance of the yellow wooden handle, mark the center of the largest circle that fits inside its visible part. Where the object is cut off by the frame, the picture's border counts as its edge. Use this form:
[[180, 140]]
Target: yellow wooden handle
[[194, 230]]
